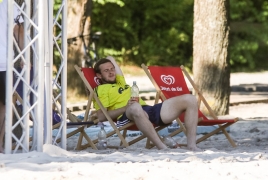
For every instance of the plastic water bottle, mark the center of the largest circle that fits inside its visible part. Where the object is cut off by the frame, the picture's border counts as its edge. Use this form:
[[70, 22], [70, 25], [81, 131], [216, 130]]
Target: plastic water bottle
[[135, 92], [170, 142], [102, 140]]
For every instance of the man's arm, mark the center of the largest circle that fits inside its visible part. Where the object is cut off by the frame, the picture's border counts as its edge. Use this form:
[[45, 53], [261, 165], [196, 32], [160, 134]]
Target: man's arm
[[18, 31], [19, 35], [117, 68], [113, 113]]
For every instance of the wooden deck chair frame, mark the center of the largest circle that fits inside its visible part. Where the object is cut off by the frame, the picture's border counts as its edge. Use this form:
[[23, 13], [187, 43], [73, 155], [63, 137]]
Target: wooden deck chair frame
[[78, 124], [115, 130], [200, 99], [149, 144]]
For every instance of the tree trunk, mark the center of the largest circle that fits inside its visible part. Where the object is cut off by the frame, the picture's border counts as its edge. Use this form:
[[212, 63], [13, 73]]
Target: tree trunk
[[210, 52], [79, 18]]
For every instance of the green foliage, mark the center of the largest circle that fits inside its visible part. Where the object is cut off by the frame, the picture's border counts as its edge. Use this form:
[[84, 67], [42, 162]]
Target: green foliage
[[57, 30], [249, 37], [152, 32], [160, 32]]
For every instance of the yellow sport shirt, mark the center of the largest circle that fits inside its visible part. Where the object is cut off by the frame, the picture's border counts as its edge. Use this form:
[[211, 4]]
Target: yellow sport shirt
[[114, 96]]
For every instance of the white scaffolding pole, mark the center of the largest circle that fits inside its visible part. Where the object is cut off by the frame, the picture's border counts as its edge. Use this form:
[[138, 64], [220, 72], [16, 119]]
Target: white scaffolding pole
[[35, 78], [60, 44], [9, 80], [48, 72], [41, 67], [64, 72], [26, 76]]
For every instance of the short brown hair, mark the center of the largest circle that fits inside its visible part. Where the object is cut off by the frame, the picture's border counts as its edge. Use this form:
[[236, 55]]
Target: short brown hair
[[100, 62]]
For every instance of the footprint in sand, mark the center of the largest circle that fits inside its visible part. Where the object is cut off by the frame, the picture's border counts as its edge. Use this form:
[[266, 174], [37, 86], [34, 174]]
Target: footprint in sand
[[254, 130]]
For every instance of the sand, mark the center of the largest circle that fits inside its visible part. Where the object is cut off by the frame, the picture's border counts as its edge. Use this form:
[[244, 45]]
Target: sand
[[218, 160]]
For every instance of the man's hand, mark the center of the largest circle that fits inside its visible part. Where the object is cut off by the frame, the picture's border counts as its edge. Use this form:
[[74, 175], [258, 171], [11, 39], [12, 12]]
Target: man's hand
[[130, 102]]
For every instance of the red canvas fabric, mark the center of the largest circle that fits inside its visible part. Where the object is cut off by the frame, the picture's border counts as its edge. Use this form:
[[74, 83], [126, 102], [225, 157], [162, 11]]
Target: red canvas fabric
[[170, 80], [91, 77], [172, 83]]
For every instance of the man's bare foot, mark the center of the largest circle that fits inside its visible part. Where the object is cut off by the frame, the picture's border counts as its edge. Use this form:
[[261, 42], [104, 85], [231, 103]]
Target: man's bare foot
[[162, 147], [195, 149]]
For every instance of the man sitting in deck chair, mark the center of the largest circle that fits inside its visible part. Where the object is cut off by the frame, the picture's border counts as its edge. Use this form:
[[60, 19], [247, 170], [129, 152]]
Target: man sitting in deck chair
[[115, 94]]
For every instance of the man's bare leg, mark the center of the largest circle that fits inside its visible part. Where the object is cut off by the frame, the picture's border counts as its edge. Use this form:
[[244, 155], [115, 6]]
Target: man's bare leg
[[136, 113], [2, 125], [173, 107]]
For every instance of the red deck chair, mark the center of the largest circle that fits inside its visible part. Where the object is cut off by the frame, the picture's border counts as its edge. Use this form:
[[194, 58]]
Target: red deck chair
[[91, 81], [170, 82]]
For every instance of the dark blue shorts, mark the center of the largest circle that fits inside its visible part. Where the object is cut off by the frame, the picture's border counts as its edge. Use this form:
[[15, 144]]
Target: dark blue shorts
[[3, 87], [153, 113]]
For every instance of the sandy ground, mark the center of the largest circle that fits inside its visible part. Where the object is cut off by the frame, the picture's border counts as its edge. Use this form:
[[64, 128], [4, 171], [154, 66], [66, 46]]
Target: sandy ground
[[249, 160], [218, 160]]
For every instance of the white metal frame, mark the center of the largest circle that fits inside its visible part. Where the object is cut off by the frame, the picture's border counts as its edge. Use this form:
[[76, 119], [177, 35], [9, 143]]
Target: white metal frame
[[60, 23], [38, 42]]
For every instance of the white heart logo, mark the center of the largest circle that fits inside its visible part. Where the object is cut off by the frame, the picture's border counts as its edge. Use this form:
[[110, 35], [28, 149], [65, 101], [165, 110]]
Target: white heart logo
[[168, 79], [97, 80]]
